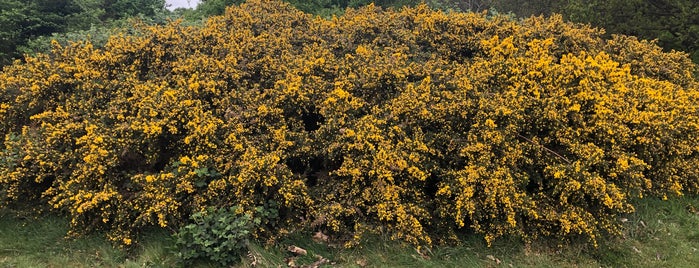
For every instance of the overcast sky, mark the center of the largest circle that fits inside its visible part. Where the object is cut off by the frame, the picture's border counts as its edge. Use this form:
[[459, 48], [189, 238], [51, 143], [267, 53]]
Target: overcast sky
[[182, 3]]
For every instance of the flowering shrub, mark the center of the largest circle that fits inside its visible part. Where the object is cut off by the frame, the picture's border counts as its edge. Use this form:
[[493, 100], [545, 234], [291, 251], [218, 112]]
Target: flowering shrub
[[414, 122]]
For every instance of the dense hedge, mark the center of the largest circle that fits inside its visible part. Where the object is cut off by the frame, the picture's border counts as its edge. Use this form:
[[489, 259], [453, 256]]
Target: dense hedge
[[417, 123]]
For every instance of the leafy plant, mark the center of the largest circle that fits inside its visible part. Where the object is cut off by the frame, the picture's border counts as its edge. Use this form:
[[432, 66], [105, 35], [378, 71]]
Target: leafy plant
[[221, 235]]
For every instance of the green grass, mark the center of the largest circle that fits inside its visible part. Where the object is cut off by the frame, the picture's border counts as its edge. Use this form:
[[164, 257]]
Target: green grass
[[659, 234], [31, 242]]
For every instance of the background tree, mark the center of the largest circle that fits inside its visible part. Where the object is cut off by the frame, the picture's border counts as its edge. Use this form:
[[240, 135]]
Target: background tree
[[207, 8], [674, 23], [25, 25], [120, 9], [23, 20], [461, 5]]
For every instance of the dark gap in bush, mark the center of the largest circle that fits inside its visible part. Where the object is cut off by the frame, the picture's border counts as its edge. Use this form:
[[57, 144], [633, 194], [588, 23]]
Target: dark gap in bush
[[312, 169], [144, 69], [312, 119], [462, 55], [296, 165], [534, 185], [431, 186], [412, 78], [165, 153], [45, 184], [130, 160], [318, 171], [326, 75]]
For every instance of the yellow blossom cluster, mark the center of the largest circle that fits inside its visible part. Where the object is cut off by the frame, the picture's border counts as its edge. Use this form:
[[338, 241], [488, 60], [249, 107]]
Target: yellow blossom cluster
[[412, 122]]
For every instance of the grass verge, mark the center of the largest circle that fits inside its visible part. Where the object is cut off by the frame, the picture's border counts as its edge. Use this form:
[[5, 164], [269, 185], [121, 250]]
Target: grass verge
[[660, 234]]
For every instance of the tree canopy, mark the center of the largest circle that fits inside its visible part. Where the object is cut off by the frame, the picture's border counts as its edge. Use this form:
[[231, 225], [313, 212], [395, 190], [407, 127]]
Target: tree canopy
[[674, 23], [26, 20]]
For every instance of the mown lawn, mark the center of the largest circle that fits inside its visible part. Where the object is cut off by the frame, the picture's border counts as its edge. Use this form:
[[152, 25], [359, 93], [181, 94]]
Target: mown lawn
[[659, 234]]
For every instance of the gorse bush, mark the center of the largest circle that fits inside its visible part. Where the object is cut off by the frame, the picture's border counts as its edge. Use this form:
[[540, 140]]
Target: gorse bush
[[416, 123]]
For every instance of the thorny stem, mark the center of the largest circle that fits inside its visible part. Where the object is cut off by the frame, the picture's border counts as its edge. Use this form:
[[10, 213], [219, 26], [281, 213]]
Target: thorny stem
[[544, 147]]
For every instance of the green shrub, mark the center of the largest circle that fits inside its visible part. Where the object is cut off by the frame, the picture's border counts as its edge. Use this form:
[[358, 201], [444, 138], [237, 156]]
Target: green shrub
[[221, 235]]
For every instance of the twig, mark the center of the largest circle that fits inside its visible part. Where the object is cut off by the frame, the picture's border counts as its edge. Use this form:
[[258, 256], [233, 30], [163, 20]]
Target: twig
[[544, 147]]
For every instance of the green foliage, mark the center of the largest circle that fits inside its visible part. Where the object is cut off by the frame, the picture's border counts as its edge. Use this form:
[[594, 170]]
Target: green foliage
[[462, 5], [23, 20], [323, 8], [97, 35], [29, 25], [207, 9], [121, 9], [221, 235], [672, 22]]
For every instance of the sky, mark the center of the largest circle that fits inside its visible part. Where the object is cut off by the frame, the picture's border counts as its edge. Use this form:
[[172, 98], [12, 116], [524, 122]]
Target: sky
[[182, 3]]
